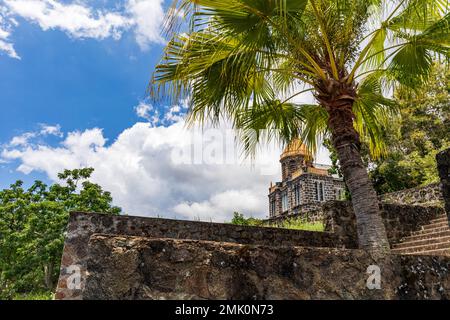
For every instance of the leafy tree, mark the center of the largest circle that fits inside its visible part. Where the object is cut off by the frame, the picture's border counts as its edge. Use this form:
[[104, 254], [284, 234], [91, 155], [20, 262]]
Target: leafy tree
[[246, 60], [32, 226], [239, 219], [414, 138]]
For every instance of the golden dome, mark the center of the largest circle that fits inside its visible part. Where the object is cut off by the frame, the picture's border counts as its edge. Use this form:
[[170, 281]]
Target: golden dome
[[295, 148]]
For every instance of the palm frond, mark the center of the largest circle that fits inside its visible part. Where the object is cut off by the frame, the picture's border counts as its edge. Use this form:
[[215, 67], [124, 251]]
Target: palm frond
[[373, 113]]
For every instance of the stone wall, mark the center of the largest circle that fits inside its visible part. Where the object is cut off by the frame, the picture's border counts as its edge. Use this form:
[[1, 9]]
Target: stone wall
[[141, 268], [428, 195], [443, 164], [399, 220], [83, 225]]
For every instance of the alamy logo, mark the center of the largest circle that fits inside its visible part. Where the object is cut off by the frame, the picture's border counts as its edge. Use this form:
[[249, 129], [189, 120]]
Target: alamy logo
[[374, 279], [74, 280]]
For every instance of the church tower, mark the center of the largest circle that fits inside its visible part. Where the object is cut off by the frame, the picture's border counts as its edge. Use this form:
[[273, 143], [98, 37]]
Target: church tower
[[294, 158]]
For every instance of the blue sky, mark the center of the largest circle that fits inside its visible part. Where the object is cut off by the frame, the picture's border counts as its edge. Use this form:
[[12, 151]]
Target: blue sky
[[73, 78], [75, 82]]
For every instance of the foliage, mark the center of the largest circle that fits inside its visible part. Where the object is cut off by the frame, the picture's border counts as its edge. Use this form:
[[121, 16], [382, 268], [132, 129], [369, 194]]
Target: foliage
[[289, 223], [417, 136], [239, 219], [32, 226], [247, 60], [45, 295]]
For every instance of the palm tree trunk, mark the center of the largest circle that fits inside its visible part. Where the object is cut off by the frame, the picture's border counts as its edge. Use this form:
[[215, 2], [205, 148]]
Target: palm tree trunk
[[371, 231]]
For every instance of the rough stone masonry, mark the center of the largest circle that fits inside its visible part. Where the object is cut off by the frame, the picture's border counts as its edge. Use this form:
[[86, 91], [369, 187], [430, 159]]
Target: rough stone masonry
[[120, 257], [82, 226], [141, 268]]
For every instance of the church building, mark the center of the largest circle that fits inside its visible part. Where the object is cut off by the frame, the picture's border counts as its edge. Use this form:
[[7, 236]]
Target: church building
[[304, 185]]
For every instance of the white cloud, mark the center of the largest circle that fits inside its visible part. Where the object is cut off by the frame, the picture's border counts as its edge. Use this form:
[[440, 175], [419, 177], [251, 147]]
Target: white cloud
[[75, 19], [5, 43], [171, 114], [50, 130], [143, 173], [146, 111], [221, 205], [80, 20], [45, 130], [174, 114], [148, 17], [22, 139], [143, 110]]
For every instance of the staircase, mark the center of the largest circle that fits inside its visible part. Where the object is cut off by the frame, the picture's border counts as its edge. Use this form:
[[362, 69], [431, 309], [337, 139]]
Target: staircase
[[432, 239]]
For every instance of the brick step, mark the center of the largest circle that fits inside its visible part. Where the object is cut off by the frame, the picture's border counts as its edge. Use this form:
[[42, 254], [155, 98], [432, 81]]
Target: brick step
[[425, 247], [413, 243], [428, 231], [429, 235], [438, 252], [435, 225]]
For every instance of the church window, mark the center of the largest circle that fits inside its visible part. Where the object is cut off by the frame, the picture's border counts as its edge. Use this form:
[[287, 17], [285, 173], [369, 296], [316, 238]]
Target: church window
[[284, 201], [339, 194], [273, 210], [297, 198], [320, 191]]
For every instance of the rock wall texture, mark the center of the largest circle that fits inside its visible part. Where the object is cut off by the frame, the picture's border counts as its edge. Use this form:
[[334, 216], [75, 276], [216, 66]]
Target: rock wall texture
[[399, 220], [141, 268], [443, 164], [428, 195], [83, 225]]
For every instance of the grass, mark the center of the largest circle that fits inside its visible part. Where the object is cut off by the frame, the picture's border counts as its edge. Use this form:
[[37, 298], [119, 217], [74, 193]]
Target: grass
[[299, 224], [47, 295], [290, 223]]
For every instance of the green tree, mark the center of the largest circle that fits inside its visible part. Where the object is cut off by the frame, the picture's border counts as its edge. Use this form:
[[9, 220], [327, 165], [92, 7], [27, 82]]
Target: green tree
[[32, 226], [239, 219], [414, 138], [246, 60]]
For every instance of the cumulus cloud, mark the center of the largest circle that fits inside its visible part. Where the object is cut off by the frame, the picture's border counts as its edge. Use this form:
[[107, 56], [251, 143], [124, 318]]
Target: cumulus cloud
[[221, 205], [148, 18], [80, 20], [75, 19], [146, 171]]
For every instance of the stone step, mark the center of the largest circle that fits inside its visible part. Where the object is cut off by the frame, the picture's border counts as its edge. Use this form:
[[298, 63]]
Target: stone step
[[428, 231], [429, 235], [438, 252], [435, 225], [440, 219], [413, 243], [422, 248]]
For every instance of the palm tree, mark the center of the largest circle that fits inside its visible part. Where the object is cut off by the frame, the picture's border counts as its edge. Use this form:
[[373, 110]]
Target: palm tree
[[251, 60]]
